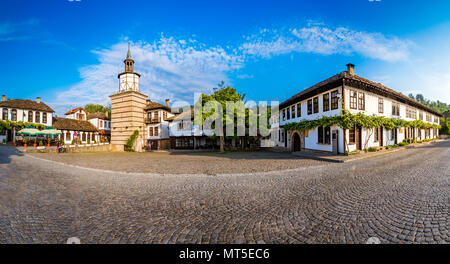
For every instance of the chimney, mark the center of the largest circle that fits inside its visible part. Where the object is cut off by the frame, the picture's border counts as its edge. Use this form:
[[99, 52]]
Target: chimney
[[70, 108], [351, 69], [167, 102], [38, 100], [148, 101], [3, 98]]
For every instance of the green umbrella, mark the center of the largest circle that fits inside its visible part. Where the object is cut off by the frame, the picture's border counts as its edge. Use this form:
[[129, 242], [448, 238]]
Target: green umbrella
[[30, 131], [50, 131]]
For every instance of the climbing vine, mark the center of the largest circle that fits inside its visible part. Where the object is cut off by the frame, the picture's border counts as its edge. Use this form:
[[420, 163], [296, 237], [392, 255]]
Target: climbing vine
[[6, 124], [347, 120], [131, 140]]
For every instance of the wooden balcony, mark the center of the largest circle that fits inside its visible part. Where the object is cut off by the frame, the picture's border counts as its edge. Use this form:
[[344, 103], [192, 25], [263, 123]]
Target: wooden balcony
[[152, 120]]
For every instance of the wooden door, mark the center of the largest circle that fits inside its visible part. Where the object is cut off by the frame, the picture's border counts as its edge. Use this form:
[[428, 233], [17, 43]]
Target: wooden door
[[358, 138]]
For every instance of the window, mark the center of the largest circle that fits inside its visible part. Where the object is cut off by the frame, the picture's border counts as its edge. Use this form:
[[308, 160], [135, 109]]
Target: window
[[334, 100], [361, 101], [380, 105], [395, 109], [288, 114], [316, 105], [284, 114], [101, 123], [411, 113], [14, 115], [83, 136], [150, 132], [421, 116], [293, 111], [5, 114], [428, 117], [156, 131], [326, 102], [156, 116], [351, 136], [165, 115], [309, 107], [67, 136], [353, 100], [44, 118], [30, 116], [299, 110], [376, 135], [37, 117], [323, 135]]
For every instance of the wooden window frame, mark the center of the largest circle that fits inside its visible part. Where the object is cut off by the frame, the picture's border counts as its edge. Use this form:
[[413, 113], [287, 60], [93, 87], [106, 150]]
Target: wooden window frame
[[293, 111], [284, 114], [361, 101], [395, 109], [156, 132], [37, 117], [376, 135], [326, 102], [150, 131], [320, 135], [353, 99], [310, 107], [288, 113], [324, 135], [380, 105], [316, 105], [352, 136], [334, 100], [14, 115], [299, 110], [5, 112], [44, 118], [30, 117]]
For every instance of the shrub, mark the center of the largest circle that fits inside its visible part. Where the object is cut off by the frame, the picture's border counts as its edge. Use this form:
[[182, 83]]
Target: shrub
[[41, 143], [402, 144], [373, 149], [62, 142], [89, 141], [366, 150], [73, 141], [131, 140]]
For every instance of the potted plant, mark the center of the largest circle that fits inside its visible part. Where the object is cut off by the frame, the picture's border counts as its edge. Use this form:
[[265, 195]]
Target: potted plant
[[25, 141], [48, 142], [35, 142], [89, 141], [73, 142], [41, 144]]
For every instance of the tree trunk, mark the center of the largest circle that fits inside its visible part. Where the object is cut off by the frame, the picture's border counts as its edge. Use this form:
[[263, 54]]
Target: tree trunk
[[221, 144]]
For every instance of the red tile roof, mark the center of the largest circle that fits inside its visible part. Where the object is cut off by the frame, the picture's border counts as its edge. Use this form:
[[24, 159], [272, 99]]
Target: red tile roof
[[26, 104]]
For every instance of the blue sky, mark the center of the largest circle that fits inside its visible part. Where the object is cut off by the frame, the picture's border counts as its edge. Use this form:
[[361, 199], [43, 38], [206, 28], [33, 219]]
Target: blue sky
[[70, 52]]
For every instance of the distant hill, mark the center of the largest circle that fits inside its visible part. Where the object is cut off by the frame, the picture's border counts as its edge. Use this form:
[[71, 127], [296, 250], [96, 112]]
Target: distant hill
[[436, 106]]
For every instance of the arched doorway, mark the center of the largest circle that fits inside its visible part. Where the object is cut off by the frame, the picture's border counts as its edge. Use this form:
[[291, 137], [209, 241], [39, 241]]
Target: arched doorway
[[296, 142]]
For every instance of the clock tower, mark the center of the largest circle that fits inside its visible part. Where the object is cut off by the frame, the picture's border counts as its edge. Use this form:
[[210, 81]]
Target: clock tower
[[129, 80], [127, 109]]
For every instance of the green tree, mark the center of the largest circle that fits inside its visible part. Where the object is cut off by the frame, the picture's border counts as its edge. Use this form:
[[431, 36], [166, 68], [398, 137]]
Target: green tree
[[94, 108]]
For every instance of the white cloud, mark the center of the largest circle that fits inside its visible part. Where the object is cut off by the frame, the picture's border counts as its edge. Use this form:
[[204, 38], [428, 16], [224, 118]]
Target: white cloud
[[170, 68], [326, 41]]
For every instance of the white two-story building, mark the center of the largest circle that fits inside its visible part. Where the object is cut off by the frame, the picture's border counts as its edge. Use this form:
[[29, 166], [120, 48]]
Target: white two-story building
[[156, 116], [76, 128], [185, 134], [355, 94], [18, 110], [103, 124]]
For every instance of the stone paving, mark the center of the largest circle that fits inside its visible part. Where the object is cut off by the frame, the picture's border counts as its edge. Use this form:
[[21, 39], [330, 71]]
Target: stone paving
[[402, 197], [183, 162]]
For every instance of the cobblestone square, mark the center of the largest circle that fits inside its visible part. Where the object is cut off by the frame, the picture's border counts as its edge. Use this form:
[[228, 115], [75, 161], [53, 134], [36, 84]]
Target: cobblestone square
[[401, 197]]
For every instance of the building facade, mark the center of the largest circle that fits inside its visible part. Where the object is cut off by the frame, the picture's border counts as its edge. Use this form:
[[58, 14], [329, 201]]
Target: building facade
[[76, 129], [355, 94], [156, 119], [103, 124], [26, 111]]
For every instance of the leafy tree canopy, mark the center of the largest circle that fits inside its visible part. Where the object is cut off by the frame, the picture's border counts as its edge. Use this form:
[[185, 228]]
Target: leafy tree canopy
[[94, 108]]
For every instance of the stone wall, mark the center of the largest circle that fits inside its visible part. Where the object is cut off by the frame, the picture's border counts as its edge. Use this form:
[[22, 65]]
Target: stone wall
[[127, 115]]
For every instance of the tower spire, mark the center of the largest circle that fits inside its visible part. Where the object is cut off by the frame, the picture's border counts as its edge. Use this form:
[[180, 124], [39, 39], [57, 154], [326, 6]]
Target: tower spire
[[129, 52]]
